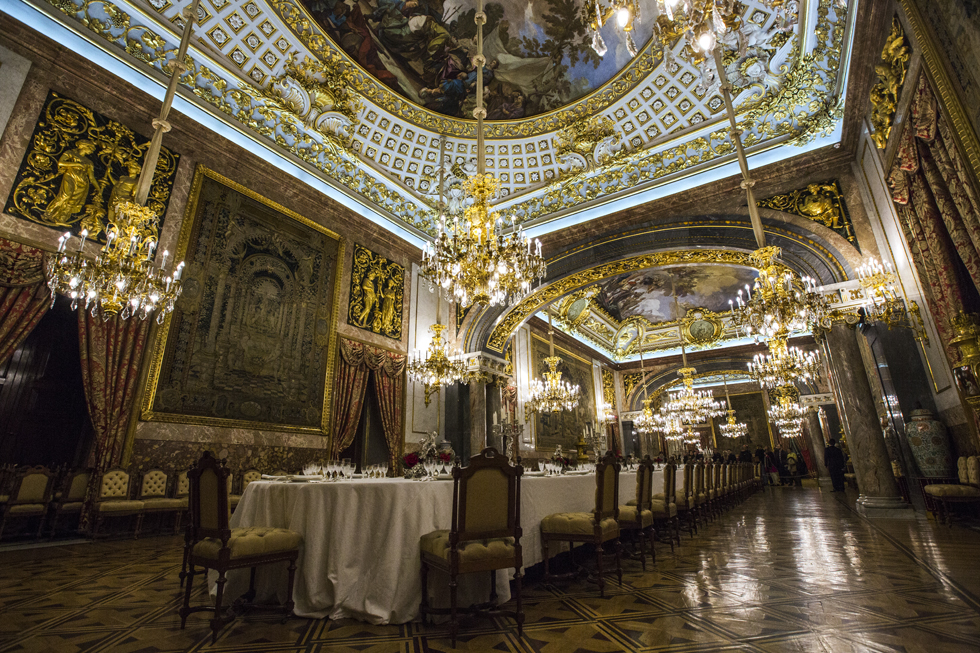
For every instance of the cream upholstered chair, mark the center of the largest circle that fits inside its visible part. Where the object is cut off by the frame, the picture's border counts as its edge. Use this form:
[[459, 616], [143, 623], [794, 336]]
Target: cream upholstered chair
[[218, 547], [114, 498], [72, 497], [597, 527], [250, 476], [29, 497], [700, 493], [154, 487], [685, 500], [967, 491], [637, 515], [485, 535]]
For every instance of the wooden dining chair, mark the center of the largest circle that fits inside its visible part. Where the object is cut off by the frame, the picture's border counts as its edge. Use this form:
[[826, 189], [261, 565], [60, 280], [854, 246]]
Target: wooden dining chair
[[218, 547], [72, 497], [29, 497], [599, 527], [485, 536], [637, 515]]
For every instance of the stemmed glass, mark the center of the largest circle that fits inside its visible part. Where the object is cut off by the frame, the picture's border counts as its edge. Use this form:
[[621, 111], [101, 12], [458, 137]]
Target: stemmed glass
[[384, 469], [346, 469]]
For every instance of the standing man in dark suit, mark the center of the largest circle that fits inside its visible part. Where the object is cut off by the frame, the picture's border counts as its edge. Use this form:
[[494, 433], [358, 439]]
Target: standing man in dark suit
[[833, 458]]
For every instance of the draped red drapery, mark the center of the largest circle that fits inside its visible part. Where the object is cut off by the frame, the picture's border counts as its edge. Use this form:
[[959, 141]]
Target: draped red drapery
[[111, 351], [938, 208], [358, 362], [24, 297]]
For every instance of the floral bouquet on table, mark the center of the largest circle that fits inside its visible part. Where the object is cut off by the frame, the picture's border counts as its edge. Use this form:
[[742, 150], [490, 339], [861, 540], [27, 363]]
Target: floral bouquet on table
[[559, 461], [410, 460]]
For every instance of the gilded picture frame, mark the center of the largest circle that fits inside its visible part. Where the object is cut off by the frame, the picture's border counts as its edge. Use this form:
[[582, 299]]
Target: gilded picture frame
[[322, 335], [564, 428], [702, 327], [377, 289]]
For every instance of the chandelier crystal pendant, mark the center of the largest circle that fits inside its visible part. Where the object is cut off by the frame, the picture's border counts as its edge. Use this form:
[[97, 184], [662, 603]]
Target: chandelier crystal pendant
[[784, 365], [123, 280], [552, 395], [472, 261], [779, 304], [437, 365]]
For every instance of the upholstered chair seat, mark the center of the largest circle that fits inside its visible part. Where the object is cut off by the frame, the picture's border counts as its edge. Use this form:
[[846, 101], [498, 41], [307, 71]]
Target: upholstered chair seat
[[495, 548], [29, 497], [127, 506], [579, 523], [662, 510], [628, 514], [968, 490], [247, 542], [941, 490], [25, 509], [165, 504], [114, 498]]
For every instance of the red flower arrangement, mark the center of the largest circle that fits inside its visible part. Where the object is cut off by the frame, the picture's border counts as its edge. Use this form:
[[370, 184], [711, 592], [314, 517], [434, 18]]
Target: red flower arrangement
[[410, 460], [446, 457]]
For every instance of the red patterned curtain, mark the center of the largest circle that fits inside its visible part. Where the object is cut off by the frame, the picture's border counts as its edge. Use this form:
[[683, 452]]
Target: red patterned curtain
[[389, 379], [939, 208], [351, 384], [111, 351], [24, 297]]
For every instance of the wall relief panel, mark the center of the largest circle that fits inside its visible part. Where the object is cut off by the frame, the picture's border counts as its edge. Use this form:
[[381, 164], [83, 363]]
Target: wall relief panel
[[252, 341], [78, 164], [377, 288], [563, 428]]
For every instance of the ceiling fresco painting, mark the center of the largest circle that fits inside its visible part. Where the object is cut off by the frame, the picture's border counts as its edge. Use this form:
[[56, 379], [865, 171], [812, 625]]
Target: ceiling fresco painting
[[538, 53], [650, 293], [359, 92]]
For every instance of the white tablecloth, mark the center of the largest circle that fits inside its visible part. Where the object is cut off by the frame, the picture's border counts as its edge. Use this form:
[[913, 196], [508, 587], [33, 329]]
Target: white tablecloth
[[360, 555]]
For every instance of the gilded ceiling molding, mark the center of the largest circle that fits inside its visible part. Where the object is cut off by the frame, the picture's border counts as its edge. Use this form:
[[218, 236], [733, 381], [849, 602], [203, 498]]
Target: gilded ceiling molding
[[951, 103], [821, 202], [555, 290]]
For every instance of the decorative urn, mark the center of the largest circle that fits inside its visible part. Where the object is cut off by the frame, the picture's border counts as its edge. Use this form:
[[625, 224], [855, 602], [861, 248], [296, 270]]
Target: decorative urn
[[929, 444]]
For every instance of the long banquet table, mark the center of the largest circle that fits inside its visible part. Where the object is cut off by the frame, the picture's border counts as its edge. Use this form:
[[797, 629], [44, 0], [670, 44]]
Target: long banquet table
[[360, 555]]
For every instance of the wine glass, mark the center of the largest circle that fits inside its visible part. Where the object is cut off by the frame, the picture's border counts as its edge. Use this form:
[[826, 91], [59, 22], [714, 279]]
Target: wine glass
[[345, 468], [384, 469]]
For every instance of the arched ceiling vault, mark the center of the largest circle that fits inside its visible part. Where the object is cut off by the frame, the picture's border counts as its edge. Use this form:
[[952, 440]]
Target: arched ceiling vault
[[807, 248]]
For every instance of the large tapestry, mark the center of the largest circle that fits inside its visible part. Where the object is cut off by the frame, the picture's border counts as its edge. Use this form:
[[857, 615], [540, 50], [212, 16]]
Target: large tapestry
[[252, 340], [78, 164], [539, 53], [564, 427], [377, 290]]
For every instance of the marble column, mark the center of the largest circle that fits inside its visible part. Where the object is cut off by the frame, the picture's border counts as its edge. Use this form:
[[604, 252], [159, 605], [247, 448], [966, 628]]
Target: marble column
[[478, 417], [880, 496], [815, 440]]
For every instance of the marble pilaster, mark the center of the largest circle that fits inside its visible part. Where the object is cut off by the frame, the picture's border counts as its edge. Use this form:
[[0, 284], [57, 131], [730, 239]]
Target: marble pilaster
[[880, 496], [478, 417], [814, 438]]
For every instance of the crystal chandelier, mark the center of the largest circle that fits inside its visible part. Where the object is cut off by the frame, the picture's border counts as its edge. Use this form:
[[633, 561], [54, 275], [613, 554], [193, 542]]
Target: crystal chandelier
[[123, 279], [883, 302], [691, 406], [472, 261], [784, 364], [552, 395], [669, 426], [732, 428], [787, 413], [645, 423], [599, 13], [779, 303], [691, 436], [436, 366]]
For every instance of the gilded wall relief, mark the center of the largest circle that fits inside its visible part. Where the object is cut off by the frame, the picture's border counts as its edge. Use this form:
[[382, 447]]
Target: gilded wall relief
[[78, 164], [821, 202], [377, 289], [891, 76], [251, 342], [461, 314], [564, 427]]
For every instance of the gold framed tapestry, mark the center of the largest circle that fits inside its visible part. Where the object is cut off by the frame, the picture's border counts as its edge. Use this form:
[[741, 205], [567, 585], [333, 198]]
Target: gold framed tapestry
[[252, 340], [564, 427], [377, 289], [749, 409], [78, 164]]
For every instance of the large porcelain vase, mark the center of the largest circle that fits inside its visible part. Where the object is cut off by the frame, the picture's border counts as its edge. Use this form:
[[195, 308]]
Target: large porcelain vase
[[929, 444]]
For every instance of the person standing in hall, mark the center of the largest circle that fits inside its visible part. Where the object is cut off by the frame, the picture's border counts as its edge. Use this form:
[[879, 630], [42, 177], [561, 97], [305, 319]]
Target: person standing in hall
[[834, 459], [745, 456]]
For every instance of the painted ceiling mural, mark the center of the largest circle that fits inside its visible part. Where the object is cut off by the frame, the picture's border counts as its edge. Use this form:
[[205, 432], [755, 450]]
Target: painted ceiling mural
[[538, 52], [353, 90], [650, 293]]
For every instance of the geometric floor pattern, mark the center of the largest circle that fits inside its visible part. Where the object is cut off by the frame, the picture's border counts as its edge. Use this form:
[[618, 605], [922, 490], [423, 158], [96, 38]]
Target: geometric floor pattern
[[790, 569]]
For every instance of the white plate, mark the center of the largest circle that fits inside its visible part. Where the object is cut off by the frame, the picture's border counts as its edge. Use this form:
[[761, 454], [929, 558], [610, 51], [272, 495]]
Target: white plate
[[269, 477], [534, 473], [299, 478], [576, 473]]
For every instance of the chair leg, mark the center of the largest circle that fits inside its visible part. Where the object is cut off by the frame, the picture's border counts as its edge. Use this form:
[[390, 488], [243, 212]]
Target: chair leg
[[289, 590], [653, 549], [618, 548], [54, 523], [139, 525], [518, 585], [424, 606], [453, 617], [643, 549], [217, 622], [186, 610], [547, 566], [599, 573], [187, 553], [493, 587]]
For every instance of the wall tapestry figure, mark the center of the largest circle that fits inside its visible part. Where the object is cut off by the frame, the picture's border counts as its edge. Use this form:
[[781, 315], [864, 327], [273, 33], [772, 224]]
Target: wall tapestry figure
[[539, 54], [377, 289], [78, 165], [252, 339], [564, 427]]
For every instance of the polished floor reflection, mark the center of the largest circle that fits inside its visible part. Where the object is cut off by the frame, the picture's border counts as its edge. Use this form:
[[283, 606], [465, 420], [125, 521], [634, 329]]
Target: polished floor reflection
[[791, 569]]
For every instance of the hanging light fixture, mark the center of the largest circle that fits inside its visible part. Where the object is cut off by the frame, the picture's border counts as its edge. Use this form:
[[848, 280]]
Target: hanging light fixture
[[123, 280], [784, 365], [552, 395], [732, 428], [623, 13], [644, 423], [787, 413], [688, 405], [472, 261]]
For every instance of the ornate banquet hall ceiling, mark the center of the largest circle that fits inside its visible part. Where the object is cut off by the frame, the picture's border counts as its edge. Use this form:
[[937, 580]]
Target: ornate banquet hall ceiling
[[333, 88]]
